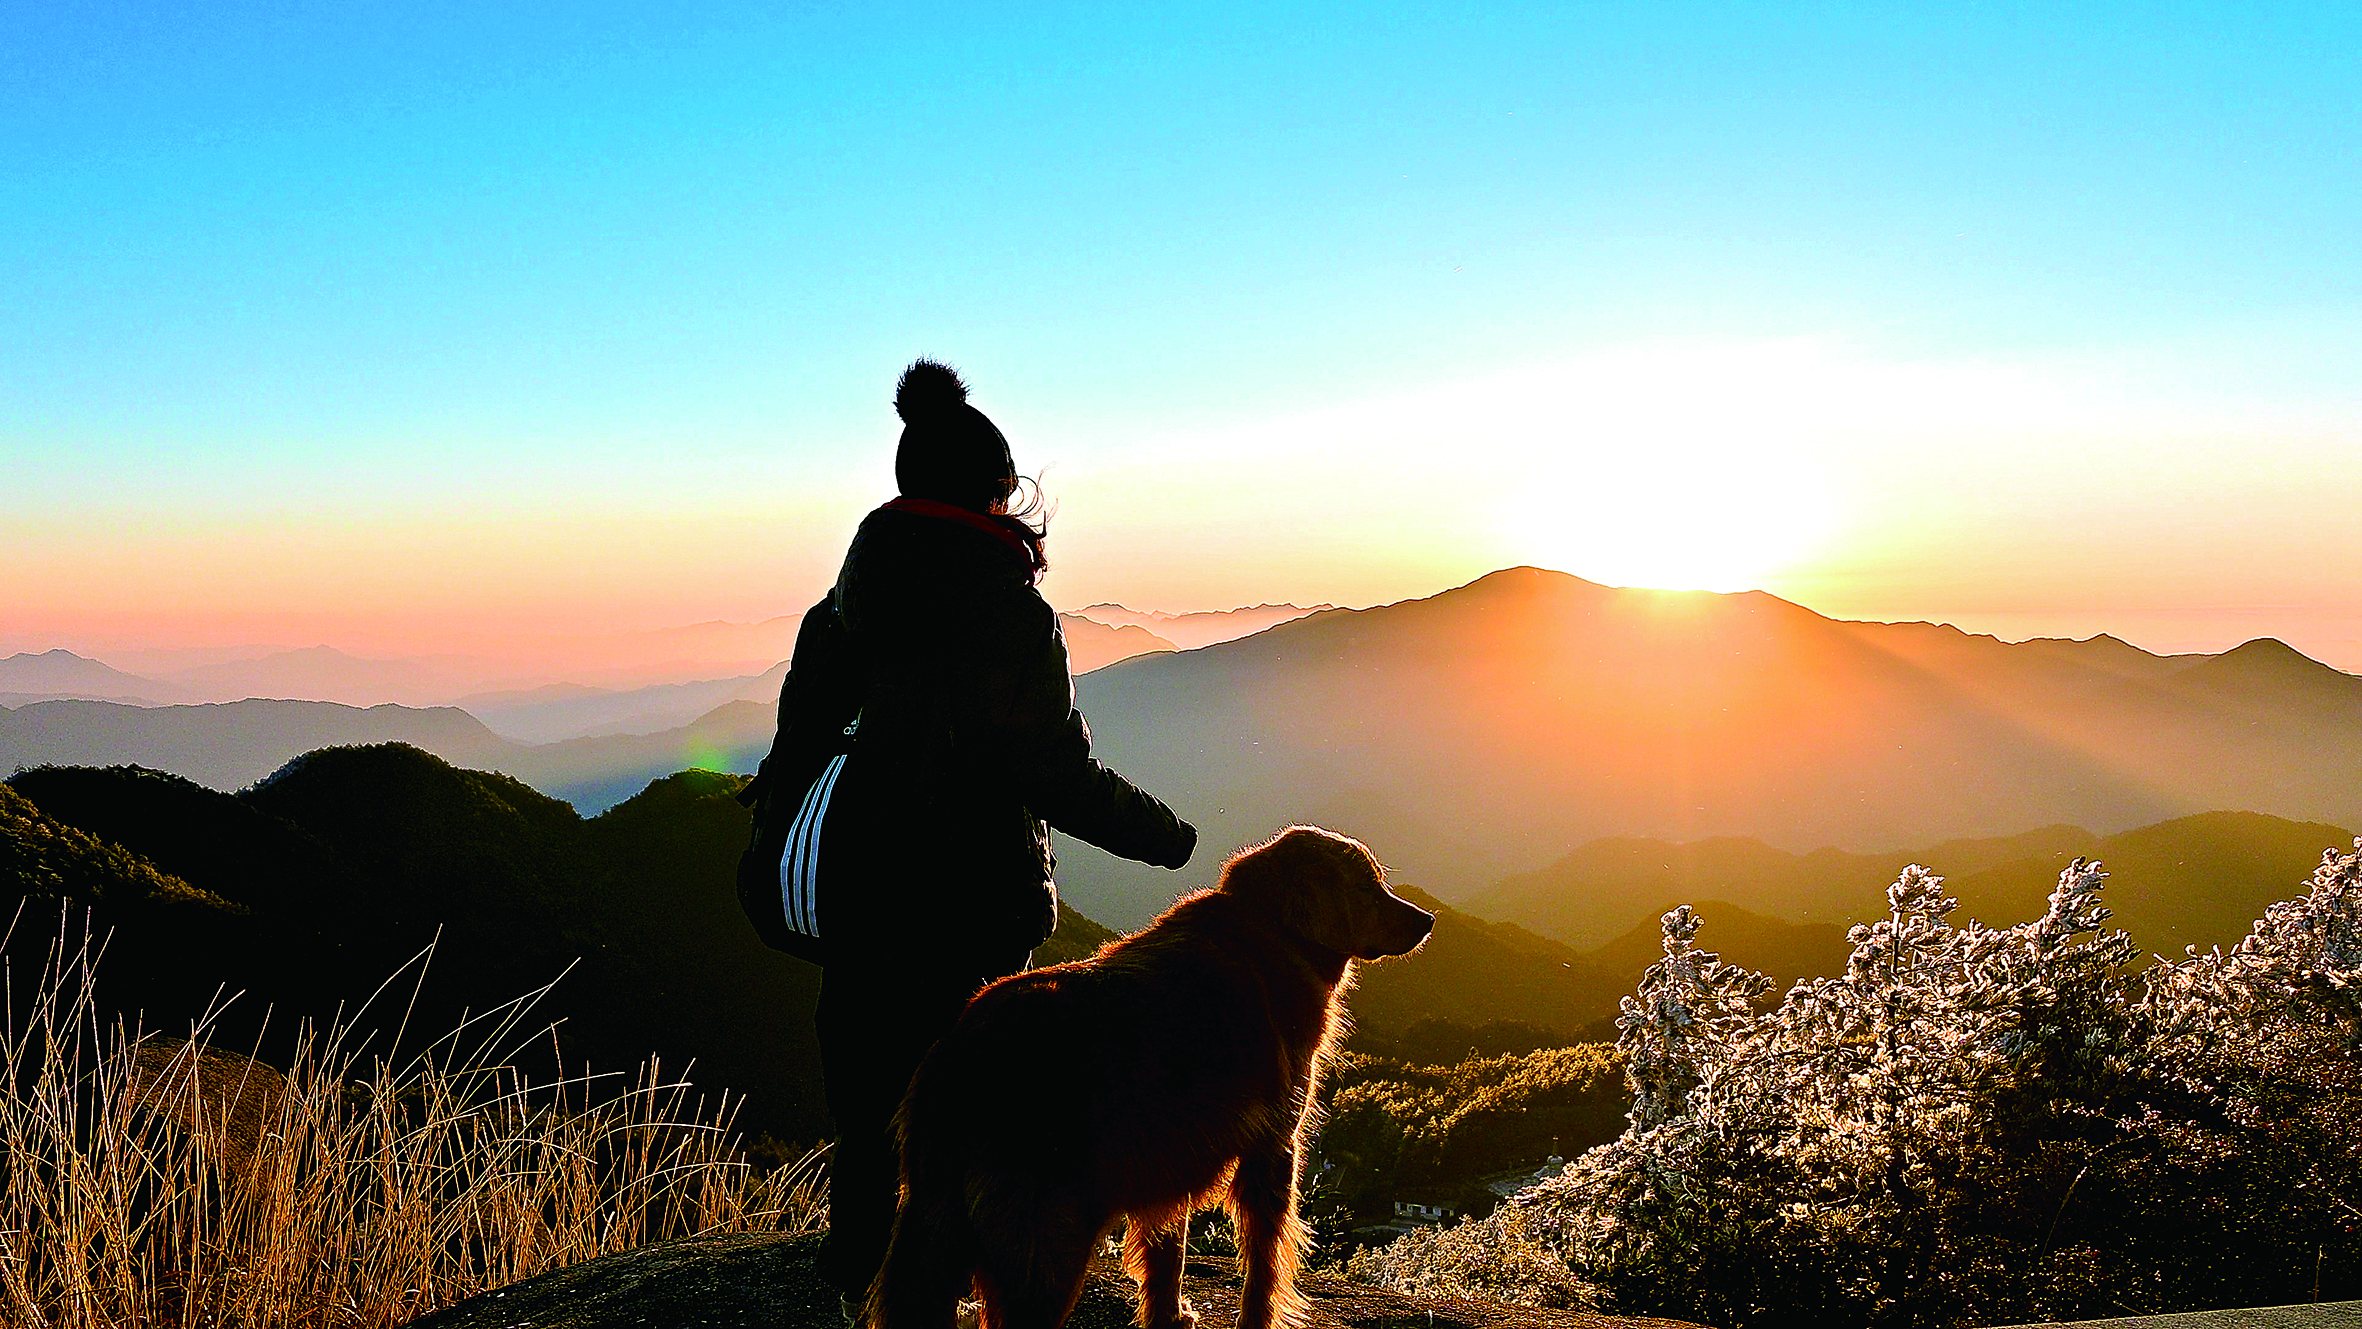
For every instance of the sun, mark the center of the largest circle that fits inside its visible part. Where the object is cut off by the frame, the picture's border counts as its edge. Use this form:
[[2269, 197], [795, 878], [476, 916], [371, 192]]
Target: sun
[[1672, 518]]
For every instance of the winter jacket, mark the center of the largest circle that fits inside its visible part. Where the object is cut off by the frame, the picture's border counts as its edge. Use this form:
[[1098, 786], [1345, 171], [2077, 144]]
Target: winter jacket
[[968, 743]]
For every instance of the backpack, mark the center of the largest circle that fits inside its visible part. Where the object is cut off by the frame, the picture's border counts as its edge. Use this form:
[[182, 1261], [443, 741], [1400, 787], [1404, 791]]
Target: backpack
[[779, 876], [782, 885]]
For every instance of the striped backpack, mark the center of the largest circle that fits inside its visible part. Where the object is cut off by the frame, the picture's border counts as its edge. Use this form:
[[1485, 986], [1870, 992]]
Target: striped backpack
[[779, 875]]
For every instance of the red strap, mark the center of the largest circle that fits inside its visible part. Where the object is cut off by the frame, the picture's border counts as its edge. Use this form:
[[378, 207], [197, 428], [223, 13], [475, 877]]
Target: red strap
[[927, 507]]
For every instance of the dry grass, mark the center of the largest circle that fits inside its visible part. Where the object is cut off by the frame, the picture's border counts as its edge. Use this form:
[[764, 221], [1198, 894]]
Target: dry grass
[[157, 1182]]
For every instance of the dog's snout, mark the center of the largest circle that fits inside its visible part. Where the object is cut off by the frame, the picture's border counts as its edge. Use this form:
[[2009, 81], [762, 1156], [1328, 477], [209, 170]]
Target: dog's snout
[[1407, 928]]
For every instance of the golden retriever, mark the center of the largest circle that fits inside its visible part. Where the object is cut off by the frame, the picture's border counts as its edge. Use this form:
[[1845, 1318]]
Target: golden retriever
[[1170, 1072]]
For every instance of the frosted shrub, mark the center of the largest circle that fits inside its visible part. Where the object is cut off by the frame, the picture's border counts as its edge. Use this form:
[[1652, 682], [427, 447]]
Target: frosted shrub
[[1497, 1260], [1969, 1125], [2302, 963]]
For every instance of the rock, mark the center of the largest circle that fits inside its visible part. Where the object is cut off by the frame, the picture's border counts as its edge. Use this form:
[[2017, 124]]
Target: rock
[[764, 1281]]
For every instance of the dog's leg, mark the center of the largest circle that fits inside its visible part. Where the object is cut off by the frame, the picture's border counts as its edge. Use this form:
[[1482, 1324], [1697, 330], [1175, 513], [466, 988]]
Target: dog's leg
[[1032, 1254], [1154, 1254], [1271, 1239], [927, 1267]]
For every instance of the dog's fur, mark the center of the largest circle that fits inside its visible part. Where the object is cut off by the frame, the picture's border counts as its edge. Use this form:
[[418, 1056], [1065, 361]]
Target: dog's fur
[[1170, 1072]]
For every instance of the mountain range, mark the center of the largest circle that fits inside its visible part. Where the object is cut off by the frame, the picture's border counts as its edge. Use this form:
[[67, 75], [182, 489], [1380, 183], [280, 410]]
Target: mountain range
[[546, 713], [29, 676], [1202, 628], [1494, 728], [230, 745]]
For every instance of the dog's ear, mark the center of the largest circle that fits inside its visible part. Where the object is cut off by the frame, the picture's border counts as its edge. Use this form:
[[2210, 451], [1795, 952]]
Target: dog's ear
[[1313, 879]]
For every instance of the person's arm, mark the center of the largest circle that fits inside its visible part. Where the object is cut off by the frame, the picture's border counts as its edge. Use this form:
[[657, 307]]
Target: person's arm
[[1048, 745]]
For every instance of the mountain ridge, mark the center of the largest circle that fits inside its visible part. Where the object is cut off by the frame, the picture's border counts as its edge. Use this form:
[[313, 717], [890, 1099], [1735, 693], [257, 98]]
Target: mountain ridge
[[1495, 726]]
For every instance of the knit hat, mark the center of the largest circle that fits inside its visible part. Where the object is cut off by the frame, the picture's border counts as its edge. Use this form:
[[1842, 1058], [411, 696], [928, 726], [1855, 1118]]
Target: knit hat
[[949, 451]]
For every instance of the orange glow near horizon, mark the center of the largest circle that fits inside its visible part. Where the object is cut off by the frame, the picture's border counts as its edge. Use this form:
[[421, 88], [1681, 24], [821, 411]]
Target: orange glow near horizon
[[2020, 500]]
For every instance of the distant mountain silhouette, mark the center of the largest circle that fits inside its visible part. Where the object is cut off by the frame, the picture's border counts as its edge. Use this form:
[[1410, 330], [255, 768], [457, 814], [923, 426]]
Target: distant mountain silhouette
[[2194, 881], [1786, 951], [596, 773], [1491, 729], [227, 745], [1189, 631], [28, 677], [1473, 972], [1610, 885], [323, 673], [1091, 644], [476, 703], [698, 646], [592, 713]]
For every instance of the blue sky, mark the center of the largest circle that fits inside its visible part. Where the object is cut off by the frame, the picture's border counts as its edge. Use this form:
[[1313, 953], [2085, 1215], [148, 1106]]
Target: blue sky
[[433, 264]]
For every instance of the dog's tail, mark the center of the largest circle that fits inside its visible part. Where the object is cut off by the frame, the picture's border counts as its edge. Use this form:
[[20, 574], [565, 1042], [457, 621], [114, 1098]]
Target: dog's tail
[[931, 1259]]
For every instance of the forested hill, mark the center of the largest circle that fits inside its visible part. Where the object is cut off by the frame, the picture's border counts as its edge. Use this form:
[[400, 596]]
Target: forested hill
[[310, 889], [2197, 880], [351, 861]]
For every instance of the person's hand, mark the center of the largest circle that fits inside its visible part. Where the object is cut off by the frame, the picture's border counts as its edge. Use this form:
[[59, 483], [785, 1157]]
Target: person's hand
[[1186, 843]]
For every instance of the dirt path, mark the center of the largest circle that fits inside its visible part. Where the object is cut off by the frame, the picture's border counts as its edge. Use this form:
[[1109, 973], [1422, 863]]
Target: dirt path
[[764, 1282]]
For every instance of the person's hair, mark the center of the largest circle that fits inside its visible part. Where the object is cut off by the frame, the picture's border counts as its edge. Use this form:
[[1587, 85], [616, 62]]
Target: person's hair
[[953, 453]]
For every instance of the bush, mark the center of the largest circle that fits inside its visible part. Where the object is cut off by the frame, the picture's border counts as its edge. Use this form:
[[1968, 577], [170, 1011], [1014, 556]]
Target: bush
[[1970, 1125]]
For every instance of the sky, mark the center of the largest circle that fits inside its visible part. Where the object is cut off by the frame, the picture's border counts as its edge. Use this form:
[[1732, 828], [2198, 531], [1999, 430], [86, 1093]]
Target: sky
[[437, 328]]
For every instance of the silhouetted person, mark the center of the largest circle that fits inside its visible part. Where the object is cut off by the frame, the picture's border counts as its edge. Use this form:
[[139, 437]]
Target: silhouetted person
[[935, 863]]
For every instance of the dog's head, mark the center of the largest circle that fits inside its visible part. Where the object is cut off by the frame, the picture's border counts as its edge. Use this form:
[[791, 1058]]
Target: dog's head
[[1330, 891]]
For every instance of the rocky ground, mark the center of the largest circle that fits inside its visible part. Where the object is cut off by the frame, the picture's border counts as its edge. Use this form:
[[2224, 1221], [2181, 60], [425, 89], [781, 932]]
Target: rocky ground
[[770, 1282], [2319, 1315]]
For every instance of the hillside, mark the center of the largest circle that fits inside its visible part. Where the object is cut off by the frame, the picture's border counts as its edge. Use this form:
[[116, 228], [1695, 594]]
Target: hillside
[[562, 711], [1473, 973], [1493, 728], [228, 745], [1091, 644], [349, 862], [2194, 881], [1611, 885], [340, 867], [1784, 950], [308, 890], [1486, 987], [2191, 880]]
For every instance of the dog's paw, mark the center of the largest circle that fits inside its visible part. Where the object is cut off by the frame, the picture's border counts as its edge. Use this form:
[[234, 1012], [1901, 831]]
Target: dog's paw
[[1184, 1317]]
